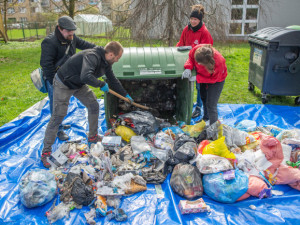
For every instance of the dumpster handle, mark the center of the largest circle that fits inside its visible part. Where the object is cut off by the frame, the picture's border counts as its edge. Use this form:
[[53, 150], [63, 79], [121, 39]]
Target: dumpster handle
[[295, 66]]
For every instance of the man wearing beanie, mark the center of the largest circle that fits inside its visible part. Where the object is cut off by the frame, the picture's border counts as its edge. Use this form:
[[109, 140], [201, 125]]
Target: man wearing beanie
[[193, 34], [56, 49]]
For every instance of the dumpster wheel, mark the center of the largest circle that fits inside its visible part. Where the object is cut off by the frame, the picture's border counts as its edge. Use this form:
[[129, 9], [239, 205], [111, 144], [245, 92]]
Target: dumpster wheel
[[264, 98], [297, 101], [250, 86]]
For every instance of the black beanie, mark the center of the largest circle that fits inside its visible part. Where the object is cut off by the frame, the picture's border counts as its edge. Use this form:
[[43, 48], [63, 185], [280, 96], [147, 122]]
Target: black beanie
[[196, 14]]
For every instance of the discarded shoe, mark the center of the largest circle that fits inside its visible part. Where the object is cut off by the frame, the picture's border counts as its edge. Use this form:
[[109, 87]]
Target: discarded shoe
[[44, 158], [66, 127], [197, 112], [62, 135], [94, 139]]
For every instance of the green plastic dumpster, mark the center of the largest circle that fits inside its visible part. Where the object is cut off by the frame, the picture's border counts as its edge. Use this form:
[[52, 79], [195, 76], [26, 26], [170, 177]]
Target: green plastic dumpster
[[152, 77], [274, 65]]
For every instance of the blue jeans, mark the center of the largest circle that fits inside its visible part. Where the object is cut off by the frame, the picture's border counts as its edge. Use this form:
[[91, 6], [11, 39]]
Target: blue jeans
[[50, 95], [199, 101]]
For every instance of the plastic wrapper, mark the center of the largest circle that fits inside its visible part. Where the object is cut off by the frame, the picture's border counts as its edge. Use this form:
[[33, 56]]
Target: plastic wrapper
[[186, 181], [90, 216], [97, 149], [58, 212], [125, 132], [235, 137], [139, 145], [246, 125], [118, 215], [101, 205], [287, 150], [37, 187], [226, 191], [163, 141], [113, 201], [219, 148], [176, 130], [194, 130], [144, 122], [162, 155], [273, 129], [295, 155], [295, 133], [212, 164]]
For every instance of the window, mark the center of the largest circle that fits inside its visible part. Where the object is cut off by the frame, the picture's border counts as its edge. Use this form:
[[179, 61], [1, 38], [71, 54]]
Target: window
[[244, 17], [81, 7], [57, 9], [10, 10], [22, 10], [34, 9], [23, 19], [10, 1], [21, 1], [93, 2]]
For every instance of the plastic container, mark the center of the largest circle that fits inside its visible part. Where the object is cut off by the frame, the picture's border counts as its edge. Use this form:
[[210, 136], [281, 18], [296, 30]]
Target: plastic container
[[152, 77], [274, 65]]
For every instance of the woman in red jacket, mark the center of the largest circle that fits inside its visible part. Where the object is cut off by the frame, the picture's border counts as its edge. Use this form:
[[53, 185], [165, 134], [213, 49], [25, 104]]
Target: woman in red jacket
[[211, 73], [193, 34]]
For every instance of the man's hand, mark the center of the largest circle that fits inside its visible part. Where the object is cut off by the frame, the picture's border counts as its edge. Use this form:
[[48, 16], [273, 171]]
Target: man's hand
[[105, 88], [128, 96], [186, 74]]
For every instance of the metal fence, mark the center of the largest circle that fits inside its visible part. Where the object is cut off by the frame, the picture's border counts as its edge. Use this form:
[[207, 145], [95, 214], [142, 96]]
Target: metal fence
[[30, 31]]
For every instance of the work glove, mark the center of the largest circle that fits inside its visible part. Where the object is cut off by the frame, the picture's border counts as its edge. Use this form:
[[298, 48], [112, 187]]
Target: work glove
[[128, 96], [192, 78], [105, 88], [186, 74]]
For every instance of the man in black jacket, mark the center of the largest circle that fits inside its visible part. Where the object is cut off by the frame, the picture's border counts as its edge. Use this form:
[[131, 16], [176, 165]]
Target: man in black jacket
[[73, 78], [56, 49]]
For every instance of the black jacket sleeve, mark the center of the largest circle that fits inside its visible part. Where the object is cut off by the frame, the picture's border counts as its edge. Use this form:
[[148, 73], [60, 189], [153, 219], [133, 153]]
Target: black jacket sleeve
[[82, 44], [47, 62], [113, 82], [88, 70]]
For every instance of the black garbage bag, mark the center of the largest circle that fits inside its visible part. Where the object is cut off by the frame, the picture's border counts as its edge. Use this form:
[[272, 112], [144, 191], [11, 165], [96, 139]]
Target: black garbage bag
[[186, 181], [74, 186], [185, 148], [144, 122]]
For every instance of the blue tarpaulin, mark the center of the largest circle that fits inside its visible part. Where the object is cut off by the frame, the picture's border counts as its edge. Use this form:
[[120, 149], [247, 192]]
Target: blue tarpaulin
[[21, 146]]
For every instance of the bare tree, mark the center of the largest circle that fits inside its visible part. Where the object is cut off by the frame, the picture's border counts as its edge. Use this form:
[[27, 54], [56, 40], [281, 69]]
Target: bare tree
[[67, 7]]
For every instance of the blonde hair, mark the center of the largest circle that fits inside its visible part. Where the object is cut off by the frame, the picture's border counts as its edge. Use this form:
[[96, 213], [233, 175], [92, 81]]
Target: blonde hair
[[205, 56], [199, 8]]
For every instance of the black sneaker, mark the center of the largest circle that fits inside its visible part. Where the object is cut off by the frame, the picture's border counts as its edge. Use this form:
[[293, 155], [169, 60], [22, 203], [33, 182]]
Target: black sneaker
[[44, 158], [197, 112], [62, 135], [94, 139]]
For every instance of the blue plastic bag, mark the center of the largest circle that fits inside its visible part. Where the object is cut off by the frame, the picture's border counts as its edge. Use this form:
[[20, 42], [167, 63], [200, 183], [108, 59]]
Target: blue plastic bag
[[226, 191], [246, 125]]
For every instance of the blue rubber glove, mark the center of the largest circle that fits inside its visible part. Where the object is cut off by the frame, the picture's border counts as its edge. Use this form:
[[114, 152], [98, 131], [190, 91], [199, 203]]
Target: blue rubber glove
[[105, 88], [128, 96]]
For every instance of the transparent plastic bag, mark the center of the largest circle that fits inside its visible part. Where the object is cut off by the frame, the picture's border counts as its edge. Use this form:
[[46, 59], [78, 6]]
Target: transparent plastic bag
[[139, 145], [37, 187], [246, 125], [163, 141], [226, 191], [186, 181], [212, 164]]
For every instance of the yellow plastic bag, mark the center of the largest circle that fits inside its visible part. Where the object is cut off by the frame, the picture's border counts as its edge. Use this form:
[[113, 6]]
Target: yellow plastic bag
[[218, 147], [125, 132], [194, 130]]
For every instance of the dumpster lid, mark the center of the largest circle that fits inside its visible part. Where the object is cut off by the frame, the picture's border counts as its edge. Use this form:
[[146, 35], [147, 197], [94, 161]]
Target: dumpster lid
[[286, 36]]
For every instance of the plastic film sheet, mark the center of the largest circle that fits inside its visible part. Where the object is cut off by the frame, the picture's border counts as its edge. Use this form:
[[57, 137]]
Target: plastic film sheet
[[21, 146]]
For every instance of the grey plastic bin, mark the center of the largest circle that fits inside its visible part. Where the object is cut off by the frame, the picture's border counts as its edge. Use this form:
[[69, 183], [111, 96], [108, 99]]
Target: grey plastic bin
[[275, 62]]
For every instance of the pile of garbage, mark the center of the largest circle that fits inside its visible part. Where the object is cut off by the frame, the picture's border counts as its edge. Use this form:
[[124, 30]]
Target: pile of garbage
[[226, 163]]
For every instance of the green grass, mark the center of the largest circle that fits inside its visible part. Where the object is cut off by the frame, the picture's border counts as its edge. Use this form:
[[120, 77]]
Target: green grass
[[14, 34], [18, 59]]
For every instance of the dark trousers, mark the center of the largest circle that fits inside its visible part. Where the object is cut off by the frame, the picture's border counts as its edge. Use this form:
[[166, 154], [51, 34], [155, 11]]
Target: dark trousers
[[61, 97], [210, 94]]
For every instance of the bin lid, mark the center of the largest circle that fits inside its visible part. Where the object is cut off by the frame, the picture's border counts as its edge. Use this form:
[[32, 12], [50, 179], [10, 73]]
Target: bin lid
[[284, 36], [150, 62], [295, 27]]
